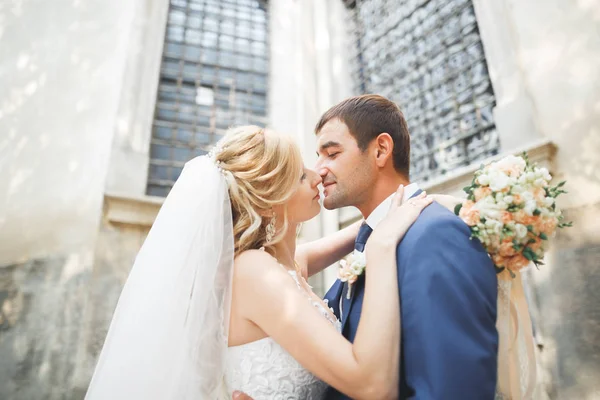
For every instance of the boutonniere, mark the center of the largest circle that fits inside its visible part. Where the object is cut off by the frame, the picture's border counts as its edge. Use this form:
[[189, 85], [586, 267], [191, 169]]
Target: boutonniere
[[351, 268]]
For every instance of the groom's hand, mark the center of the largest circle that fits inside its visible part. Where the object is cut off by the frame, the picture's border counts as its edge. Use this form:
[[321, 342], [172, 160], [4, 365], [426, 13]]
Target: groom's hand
[[240, 396]]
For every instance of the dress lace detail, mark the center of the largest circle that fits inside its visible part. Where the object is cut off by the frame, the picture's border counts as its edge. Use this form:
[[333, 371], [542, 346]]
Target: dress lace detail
[[265, 371]]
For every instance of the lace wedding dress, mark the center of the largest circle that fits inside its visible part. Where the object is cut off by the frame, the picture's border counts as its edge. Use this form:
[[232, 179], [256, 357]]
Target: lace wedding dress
[[265, 371]]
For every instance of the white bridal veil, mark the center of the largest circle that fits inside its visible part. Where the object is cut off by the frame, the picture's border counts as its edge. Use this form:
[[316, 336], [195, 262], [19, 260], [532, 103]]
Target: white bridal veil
[[169, 332]]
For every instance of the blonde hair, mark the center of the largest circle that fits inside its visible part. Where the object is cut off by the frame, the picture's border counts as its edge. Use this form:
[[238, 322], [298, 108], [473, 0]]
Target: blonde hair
[[262, 169]]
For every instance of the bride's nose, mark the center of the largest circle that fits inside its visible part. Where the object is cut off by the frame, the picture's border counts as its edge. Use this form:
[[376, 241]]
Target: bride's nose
[[316, 179]]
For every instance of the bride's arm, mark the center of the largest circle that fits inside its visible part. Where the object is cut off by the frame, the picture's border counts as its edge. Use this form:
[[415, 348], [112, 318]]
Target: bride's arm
[[365, 369], [317, 255]]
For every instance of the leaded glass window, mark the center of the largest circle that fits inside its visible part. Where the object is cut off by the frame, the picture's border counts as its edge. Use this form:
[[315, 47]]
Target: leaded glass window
[[427, 56], [213, 76]]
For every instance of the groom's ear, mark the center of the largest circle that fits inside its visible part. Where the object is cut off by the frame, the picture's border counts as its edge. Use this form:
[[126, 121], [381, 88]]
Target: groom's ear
[[384, 148]]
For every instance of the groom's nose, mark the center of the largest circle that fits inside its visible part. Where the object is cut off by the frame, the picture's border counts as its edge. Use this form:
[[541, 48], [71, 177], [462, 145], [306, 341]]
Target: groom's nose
[[322, 171]]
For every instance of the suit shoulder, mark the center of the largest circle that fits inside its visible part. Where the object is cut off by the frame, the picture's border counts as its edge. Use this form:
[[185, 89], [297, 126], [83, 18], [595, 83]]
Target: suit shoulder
[[437, 220]]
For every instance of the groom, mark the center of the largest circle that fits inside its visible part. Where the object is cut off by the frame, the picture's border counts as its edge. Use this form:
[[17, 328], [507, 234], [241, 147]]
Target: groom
[[447, 283]]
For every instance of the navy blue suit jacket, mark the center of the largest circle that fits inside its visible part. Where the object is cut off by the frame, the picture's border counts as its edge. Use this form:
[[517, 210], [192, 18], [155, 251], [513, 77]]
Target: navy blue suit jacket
[[448, 293]]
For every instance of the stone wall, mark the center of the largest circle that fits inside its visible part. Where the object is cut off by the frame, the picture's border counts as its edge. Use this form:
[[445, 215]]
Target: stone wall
[[115, 253], [42, 309], [567, 315]]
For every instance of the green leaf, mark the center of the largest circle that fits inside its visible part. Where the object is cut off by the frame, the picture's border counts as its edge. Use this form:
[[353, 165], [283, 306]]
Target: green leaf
[[528, 254], [512, 274], [561, 184], [467, 189], [529, 228], [537, 212], [499, 269], [457, 208], [543, 236], [517, 247]]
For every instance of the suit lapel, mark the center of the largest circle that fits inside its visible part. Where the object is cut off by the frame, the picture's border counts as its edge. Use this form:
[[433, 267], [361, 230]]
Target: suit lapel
[[333, 296], [347, 303]]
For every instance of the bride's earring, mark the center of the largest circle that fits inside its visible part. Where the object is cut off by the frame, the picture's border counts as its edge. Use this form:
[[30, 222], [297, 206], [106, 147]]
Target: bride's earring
[[271, 230]]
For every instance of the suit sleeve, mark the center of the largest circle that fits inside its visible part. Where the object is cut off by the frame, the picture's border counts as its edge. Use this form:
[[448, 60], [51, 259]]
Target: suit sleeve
[[448, 292]]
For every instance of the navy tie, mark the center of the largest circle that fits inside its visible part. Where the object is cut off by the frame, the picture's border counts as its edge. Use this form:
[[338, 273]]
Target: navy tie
[[361, 239]]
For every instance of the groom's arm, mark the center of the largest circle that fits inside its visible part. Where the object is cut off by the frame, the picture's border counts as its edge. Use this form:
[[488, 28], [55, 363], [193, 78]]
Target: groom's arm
[[449, 292]]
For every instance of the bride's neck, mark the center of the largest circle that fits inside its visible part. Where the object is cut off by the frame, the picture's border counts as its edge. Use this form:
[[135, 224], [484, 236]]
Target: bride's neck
[[285, 250]]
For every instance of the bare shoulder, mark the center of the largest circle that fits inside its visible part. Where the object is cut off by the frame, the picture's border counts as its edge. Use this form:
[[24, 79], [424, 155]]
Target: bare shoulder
[[258, 269]]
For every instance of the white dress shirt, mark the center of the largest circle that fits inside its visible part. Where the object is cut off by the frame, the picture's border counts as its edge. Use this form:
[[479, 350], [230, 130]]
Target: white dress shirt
[[382, 209]]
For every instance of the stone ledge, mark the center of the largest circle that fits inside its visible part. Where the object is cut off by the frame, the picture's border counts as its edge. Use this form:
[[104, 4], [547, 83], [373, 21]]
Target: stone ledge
[[540, 152], [131, 210]]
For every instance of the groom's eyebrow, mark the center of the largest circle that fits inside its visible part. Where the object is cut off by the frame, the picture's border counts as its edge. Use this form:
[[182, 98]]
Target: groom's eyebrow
[[329, 144]]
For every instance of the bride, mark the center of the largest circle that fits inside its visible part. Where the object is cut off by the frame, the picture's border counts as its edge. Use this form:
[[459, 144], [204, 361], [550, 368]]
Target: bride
[[218, 301]]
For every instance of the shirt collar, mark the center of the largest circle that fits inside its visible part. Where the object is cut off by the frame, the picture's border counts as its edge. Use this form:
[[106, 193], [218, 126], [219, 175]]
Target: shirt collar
[[381, 210]]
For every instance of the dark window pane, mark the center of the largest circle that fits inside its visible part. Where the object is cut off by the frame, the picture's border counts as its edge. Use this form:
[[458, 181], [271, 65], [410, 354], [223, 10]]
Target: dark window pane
[[428, 58], [213, 75]]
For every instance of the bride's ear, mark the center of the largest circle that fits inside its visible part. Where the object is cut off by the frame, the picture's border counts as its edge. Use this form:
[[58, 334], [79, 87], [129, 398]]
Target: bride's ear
[[384, 147]]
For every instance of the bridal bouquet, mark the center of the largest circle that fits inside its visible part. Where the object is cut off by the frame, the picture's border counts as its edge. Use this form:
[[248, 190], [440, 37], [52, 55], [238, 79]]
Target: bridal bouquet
[[511, 209]]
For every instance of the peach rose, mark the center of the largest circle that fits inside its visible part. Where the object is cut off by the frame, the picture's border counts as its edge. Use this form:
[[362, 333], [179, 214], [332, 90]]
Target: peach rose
[[469, 214], [547, 225], [517, 262], [539, 194], [482, 192], [523, 218], [506, 217], [506, 249], [517, 199], [536, 245], [499, 260], [472, 218]]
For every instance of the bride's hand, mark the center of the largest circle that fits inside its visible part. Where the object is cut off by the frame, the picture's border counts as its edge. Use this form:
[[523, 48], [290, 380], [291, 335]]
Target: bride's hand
[[399, 219]]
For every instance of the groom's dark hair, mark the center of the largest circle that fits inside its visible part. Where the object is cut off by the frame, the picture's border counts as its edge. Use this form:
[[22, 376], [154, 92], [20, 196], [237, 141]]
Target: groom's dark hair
[[368, 116]]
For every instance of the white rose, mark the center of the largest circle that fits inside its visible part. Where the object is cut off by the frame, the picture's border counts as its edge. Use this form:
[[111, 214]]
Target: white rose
[[530, 207], [356, 269], [520, 231], [512, 163], [502, 205], [493, 226], [544, 174], [359, 258], [517, 189], [488, 208], [539, 182], [483, 180], [548, 201], [508, 199], [499, 181], [527, 196]]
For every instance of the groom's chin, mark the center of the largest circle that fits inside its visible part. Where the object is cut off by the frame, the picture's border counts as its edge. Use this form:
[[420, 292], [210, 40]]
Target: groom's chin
[[329, 203]]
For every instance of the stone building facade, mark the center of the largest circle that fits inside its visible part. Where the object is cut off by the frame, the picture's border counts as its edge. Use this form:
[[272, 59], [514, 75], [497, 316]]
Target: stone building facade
[[103, 100]]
